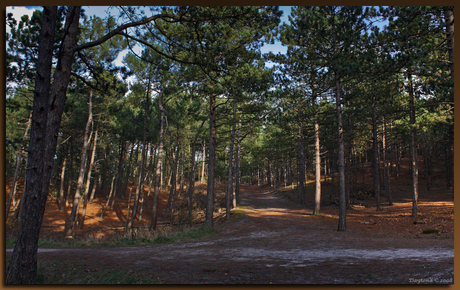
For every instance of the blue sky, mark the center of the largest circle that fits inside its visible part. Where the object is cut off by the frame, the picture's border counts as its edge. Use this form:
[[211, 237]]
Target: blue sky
[[102, 11]]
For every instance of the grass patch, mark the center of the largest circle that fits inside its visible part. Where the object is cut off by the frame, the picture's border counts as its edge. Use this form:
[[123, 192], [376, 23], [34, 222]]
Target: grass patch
[[193, 234], [59, 272], [431, 231]]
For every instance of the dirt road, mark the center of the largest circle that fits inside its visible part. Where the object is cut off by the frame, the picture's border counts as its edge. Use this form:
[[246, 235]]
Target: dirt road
[[278, 242]]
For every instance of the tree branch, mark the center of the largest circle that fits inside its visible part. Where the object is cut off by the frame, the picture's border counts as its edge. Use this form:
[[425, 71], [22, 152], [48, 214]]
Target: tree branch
[[119, 29]]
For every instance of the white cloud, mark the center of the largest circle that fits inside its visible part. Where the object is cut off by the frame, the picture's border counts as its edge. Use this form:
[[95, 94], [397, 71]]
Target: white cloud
[[19, 11]]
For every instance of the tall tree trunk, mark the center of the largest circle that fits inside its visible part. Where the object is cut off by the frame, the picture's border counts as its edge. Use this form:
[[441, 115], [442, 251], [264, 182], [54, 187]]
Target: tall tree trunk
[[154, 217], [191, 183], [74, 213], [191, 179], [129, 207], [211, 163], [301, 167], [173, 161], [11, 198], [174, 184], [70, 178], [121, 160], [228, 193], [93, 191], [347, 163], [62, 185], [88, 182], [375, 151], [340, 163], [23, 266], [317, 164], [269, 174], [386, 162], [143, 157], [203, 162], [449, 18], [413, 148], [182, 166], [111, 195], [168, 203], [19, 209], [128, 170], [236, 174]]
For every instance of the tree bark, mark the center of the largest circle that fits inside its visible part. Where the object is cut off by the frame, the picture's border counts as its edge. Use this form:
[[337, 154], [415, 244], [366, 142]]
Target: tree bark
[[88, 182], [62, 183], [154, 216], [386, 162], [211, 163], [228, 196], [110, 196], [174, 184], [191, 183], [348, 163], [70, 178], [449, 18], [340, 163], [23, 266], [413, 148], [203, 162], [128, 170], [317, 165], [174, 159], [143, 157], [375, 151], [301, 167], [74, 213], [236, 174]]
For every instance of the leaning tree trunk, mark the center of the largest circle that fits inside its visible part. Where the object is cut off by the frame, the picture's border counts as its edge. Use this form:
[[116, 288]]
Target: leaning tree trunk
[[109, 197], [211, 188], [88, 181], [76, 203], [154, 216], [16, 170]]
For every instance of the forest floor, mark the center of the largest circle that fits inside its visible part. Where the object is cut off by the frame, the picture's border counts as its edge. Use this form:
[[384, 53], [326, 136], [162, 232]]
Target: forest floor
[[270, 239]]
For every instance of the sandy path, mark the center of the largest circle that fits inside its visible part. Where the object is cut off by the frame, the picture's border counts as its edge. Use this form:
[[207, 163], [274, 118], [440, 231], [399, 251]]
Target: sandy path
[[278, 242]]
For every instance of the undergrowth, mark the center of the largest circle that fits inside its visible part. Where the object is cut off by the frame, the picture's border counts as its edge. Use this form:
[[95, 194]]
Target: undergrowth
[[137, 238]]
